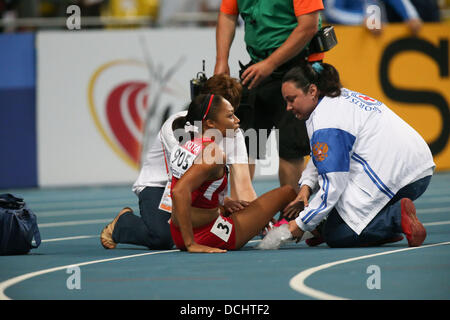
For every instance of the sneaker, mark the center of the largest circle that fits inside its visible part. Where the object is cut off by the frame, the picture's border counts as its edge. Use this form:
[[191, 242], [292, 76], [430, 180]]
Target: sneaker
[[106, 234], [414, 230]]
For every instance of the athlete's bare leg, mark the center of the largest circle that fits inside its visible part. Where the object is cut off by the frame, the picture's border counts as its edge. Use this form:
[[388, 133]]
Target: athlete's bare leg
[[290, 171], [251, 168], [250, 221]]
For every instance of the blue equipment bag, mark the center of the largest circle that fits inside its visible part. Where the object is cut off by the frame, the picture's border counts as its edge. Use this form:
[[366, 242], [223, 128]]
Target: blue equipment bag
[[18, 226]]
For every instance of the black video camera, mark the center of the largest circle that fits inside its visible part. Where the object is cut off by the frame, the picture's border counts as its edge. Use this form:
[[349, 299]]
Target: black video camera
[[198, 82], [324, 40]]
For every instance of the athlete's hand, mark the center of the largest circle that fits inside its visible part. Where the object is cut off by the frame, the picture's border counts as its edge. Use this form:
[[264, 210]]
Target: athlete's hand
[[296, 232], [231, 205], [256, 73], [299, 203], [198, 248]]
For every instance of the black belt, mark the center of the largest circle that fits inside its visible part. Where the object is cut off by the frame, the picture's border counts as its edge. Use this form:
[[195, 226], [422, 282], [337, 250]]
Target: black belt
[[281, 70]]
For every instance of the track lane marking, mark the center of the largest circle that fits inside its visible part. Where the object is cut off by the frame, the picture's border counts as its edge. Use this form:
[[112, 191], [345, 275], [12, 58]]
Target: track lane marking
[[300, 278], [73, 223], [426, 224], [8, 283], [298, 281], [70, 238]]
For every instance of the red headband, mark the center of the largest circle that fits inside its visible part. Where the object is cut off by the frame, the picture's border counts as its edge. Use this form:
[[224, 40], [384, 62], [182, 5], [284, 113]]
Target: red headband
[[209, 106]]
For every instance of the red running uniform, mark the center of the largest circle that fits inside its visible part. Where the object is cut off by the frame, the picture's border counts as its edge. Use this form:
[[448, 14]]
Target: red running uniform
[[220, 233]]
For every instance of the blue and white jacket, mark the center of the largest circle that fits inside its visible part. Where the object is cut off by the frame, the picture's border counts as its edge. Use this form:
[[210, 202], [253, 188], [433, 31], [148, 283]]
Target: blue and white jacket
[[362, 154]]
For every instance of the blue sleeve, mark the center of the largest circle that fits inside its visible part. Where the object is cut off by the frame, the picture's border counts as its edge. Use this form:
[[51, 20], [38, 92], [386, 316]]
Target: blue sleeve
[[347, 12], [330, 150], [404, 8]]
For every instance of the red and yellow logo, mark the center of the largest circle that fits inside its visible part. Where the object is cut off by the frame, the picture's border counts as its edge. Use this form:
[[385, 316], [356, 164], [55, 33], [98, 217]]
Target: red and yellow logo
[[320, 151], [119, 102]]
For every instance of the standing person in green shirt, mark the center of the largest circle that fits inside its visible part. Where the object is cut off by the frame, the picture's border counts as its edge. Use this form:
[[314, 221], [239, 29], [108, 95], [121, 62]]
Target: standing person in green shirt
[[277, 34]]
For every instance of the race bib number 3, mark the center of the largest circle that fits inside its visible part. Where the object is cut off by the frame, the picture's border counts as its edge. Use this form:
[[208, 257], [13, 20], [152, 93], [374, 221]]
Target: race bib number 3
[[222, 228]]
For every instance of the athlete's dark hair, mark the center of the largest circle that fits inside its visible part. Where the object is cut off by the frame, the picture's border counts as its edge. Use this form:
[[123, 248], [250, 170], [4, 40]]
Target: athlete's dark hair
[[226, 86], [323, 75], [203, 107]]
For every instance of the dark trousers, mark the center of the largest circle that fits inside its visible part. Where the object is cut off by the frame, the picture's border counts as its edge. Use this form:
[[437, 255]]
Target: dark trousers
[[385, 225], [151, 228]]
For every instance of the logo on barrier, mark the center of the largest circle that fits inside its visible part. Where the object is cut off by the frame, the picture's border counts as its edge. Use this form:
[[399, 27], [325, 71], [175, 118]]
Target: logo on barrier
[[126, 106]]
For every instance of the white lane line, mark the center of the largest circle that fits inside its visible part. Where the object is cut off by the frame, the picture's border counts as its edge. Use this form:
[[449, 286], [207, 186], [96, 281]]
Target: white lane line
[[437, 223], [114, 210], [10, 282], [70, 238], [432, 210], [116, 202], [95, 221], [97, 235], [69, 212], [298, 282], [427, 224], [432, 200], [73, 223]]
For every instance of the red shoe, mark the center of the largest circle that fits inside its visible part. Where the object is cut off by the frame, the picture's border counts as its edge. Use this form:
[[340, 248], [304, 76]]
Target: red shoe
[[414, 230]]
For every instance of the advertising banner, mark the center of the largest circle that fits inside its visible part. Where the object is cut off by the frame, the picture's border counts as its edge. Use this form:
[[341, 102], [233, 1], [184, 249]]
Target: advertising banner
[[18, 167], [409, 74], [103, 95]]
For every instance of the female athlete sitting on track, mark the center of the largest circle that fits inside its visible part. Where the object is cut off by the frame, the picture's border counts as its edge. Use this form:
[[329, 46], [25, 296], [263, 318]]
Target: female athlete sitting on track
[[199, 183], [151, 229], [367, 164]]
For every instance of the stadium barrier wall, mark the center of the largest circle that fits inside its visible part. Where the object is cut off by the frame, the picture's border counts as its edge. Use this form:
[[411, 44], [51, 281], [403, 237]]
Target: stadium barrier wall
[[94, 89], [18, 166]]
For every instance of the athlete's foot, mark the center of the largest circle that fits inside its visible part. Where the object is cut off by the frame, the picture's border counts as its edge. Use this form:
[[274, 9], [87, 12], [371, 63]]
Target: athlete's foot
[[414, 230], [106, 234]]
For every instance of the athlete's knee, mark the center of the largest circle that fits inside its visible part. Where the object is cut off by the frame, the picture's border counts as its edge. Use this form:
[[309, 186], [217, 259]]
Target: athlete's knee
[[289, 191], [337, 240]]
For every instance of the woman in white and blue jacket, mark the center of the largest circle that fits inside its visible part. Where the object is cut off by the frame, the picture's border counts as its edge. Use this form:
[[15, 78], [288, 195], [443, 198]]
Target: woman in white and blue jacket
[[367, 164]]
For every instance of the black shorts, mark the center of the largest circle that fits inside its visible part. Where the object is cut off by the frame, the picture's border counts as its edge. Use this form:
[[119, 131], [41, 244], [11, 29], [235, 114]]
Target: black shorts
[[264, 108]]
